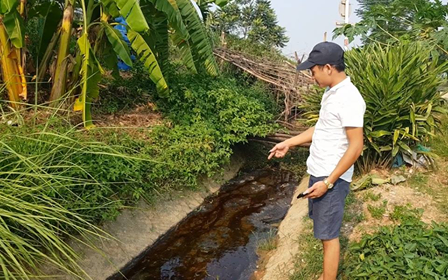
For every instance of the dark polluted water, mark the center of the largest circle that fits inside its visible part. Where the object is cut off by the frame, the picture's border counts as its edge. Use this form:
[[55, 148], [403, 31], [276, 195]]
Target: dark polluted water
[[219, 239]]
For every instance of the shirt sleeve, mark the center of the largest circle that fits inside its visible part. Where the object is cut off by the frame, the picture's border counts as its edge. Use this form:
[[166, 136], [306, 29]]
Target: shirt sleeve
[[352, 111]]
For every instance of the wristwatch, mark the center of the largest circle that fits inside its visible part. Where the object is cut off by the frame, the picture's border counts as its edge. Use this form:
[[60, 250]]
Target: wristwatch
[[328, 184]]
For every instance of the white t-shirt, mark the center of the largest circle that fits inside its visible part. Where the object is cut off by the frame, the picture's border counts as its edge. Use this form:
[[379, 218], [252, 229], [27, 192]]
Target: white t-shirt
[[341, 106]]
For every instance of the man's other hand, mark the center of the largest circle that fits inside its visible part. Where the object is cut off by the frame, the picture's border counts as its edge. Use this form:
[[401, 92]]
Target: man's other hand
[[279, 150], [317, 190]]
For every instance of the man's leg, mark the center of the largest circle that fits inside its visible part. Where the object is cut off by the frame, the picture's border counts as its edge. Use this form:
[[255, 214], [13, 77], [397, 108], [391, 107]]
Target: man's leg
[[331, 259], [327, 214]]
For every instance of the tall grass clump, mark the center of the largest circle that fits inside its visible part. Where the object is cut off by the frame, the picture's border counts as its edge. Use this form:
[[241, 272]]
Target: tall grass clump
[[399, 84], [55, 184]]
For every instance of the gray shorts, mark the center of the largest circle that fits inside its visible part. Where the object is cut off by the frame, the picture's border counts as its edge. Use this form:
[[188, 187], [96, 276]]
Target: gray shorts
[[327, 211]]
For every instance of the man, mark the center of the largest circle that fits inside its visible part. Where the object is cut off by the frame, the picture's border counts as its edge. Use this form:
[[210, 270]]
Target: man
[[336, 143]]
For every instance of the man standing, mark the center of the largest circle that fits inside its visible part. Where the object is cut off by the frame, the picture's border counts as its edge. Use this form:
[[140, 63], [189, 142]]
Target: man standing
[[336, 143]]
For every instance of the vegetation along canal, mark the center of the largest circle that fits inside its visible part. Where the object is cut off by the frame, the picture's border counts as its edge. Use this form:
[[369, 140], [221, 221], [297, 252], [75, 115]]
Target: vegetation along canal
[[219, 240]]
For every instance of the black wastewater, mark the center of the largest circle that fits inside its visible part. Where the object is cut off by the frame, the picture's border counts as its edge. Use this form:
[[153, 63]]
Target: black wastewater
[[219, 239]]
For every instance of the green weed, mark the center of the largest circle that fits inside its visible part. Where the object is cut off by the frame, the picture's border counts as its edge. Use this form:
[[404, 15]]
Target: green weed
[[377, 212], [411, 250], [268, 242], [370, 196], [406, 214]]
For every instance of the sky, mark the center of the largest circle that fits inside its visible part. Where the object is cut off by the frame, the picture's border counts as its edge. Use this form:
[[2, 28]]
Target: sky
[[306, 22]]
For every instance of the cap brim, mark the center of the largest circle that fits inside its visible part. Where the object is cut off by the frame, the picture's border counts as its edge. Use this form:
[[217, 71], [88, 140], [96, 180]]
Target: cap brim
[[305, 65]]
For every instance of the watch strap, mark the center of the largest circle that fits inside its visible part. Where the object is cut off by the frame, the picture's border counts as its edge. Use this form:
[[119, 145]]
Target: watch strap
[[328, 184]]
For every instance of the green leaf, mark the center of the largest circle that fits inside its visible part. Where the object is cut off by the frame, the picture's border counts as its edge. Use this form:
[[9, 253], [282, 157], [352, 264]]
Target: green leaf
[[91, 76], [396, 135], [405, 147], [110, 59], [7, 6], [375, 146], [199, 42], [52, 18], [221, 3], [111, 8], [15, 27], [131, 11], [185, 51], [379, 133], [444, 240], [385, 148], [147, 56], [171, 10], [118, 44], [395, 150]]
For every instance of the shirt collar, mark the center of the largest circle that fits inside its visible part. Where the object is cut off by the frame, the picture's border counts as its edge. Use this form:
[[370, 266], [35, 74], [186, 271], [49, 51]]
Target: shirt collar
[[329, 91], [341, 84]]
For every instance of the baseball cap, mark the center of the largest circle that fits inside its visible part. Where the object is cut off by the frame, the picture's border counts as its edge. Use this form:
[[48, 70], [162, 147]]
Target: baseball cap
[[323, 53]]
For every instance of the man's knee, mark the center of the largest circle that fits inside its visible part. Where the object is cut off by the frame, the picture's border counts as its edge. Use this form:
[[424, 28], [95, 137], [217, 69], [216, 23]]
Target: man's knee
[[330, 242]]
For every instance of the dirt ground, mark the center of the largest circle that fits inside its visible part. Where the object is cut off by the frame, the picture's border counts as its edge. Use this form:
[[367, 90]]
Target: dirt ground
[[141, 117], [399, 195]]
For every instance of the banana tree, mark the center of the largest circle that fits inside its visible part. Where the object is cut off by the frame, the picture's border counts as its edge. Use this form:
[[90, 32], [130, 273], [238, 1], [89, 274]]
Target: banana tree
[[11, 42], [148, 28], [205, 6], [150, 24], [91, 70]]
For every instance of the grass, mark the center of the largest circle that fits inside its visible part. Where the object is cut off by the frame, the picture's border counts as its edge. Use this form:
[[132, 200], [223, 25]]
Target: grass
[[411, 250], [353, 210], [434, 183], [34, 230], [370, 196], [308, 263], [377, 212], [38, 176], [55, 185], [268, 242]]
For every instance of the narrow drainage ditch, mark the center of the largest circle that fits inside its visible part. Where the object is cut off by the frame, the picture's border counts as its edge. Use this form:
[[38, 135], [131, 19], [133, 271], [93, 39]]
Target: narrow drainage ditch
[[219, 239]]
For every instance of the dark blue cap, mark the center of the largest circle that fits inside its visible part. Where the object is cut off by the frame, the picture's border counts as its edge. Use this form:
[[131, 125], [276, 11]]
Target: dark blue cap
[[323, 53]]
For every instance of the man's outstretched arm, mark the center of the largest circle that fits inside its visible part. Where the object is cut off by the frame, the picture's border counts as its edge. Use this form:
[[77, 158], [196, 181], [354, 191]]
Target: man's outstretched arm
[[282, 148]]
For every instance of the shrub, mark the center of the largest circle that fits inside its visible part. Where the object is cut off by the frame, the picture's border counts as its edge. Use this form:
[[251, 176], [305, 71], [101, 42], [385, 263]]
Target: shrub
[[400, 87], [208, 116]]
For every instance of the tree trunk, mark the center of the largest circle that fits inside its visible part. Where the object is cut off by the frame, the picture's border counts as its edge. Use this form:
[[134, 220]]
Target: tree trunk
[[60, 76], [10, 67]]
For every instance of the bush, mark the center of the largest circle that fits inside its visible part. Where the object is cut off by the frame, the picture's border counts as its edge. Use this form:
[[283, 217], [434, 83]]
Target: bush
[[208, 116], [400, 86], [412, 250]]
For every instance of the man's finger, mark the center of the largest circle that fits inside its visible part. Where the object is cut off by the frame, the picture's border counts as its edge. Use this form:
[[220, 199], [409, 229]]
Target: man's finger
[[271, 155], [310, 192]]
